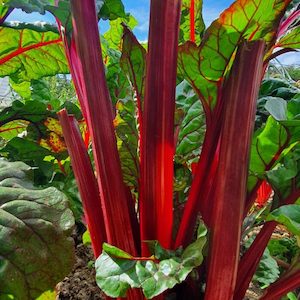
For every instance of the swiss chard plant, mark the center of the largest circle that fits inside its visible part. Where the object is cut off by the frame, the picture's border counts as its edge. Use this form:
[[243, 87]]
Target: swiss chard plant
[[179, 152]]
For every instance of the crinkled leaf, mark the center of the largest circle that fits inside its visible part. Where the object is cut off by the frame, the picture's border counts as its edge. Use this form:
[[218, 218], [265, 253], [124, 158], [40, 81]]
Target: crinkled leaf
[[117, 270], [127, 140], [184, 34], [36, 250], [205, 66], [27, 54], [191, 123], [288, 215], [117, 82], [267, 271], [283, 248]]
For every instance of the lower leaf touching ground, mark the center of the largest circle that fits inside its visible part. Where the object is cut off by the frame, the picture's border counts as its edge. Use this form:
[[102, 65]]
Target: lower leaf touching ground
[[36, 250], [118, 271]]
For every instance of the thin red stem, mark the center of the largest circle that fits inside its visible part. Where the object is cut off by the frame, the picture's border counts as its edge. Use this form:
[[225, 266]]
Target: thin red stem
[[107, 161], [86, 181]]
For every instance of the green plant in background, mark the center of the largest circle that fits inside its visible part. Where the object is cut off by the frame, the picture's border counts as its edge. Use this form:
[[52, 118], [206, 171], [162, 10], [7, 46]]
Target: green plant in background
[[144, 114]]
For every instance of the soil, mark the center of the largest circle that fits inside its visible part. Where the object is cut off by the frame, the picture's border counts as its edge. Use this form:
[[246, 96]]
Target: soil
[[80, 284]]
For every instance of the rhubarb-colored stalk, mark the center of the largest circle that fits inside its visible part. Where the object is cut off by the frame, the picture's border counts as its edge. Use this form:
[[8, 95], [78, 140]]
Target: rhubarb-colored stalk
[[240, 95], [282, 286], [192, 21], [99, 115], [157, 151], [86, 181]]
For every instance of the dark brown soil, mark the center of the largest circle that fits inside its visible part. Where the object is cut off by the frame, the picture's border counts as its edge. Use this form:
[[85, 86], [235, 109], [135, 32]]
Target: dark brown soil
[[80, 284]]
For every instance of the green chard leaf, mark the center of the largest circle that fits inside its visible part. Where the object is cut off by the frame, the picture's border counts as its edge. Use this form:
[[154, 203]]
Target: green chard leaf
[[127, 140], [267, 145], [276, 139], [206, 65], [117, 82], [27, 54], [36, 250], [185, 21], [267, 271], [190, 122], [117, 271], [114, 35]]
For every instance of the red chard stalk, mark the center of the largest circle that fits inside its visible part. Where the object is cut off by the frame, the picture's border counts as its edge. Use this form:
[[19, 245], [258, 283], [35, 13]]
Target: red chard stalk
[[100, 123], [86, 180], [240, 94], [156, 201]]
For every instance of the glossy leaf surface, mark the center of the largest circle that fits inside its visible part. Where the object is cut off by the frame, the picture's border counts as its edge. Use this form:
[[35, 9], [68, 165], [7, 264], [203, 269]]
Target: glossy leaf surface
[[117, 270]]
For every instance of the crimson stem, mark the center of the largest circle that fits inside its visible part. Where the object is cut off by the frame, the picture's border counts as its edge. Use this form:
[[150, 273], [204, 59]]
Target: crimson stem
[[240, 95], [99, 115], [157, 147], [86, 180]]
